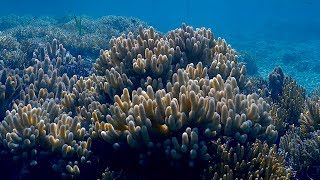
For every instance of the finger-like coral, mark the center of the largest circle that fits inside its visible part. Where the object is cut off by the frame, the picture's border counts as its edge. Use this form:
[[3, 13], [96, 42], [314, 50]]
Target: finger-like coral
[[49, 76], [133, 61], [30, 133], [310, 118], [61, 59], [205, 107]]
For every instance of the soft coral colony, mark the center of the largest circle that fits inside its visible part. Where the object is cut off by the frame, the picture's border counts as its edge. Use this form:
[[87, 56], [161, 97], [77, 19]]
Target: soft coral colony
[[157, 105]]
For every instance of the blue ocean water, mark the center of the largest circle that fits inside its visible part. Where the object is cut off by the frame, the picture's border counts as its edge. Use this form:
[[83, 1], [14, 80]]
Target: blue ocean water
[[224, 16], [265, 34], [168, 14]]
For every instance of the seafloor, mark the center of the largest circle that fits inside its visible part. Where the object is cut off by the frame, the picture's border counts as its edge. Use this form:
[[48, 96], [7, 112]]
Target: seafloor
[[113, 98]]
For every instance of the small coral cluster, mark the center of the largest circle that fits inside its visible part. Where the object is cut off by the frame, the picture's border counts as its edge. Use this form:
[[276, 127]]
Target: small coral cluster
[[40, 125], [310, 118], [276, 80], [249, 161], [10, 86], [286, 109]]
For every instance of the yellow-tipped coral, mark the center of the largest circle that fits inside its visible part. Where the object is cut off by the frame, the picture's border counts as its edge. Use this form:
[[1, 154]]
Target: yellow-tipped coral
[[207, 107], [29, 132], [135, 62]]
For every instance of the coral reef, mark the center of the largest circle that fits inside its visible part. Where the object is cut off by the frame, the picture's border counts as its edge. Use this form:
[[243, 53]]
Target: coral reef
[[154, 106], [149, 118], [301, 144]]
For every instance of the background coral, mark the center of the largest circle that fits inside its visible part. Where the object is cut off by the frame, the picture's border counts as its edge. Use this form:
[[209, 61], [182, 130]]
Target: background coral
[[10, 86], [249, 61], [34, 32], [276, 80]]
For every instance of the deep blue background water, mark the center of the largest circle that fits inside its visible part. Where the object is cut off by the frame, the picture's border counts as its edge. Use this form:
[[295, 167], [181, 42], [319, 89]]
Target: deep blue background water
[[228, 16]]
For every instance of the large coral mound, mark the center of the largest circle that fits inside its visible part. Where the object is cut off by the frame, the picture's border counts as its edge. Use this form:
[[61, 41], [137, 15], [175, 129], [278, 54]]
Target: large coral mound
[[154, 104]]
